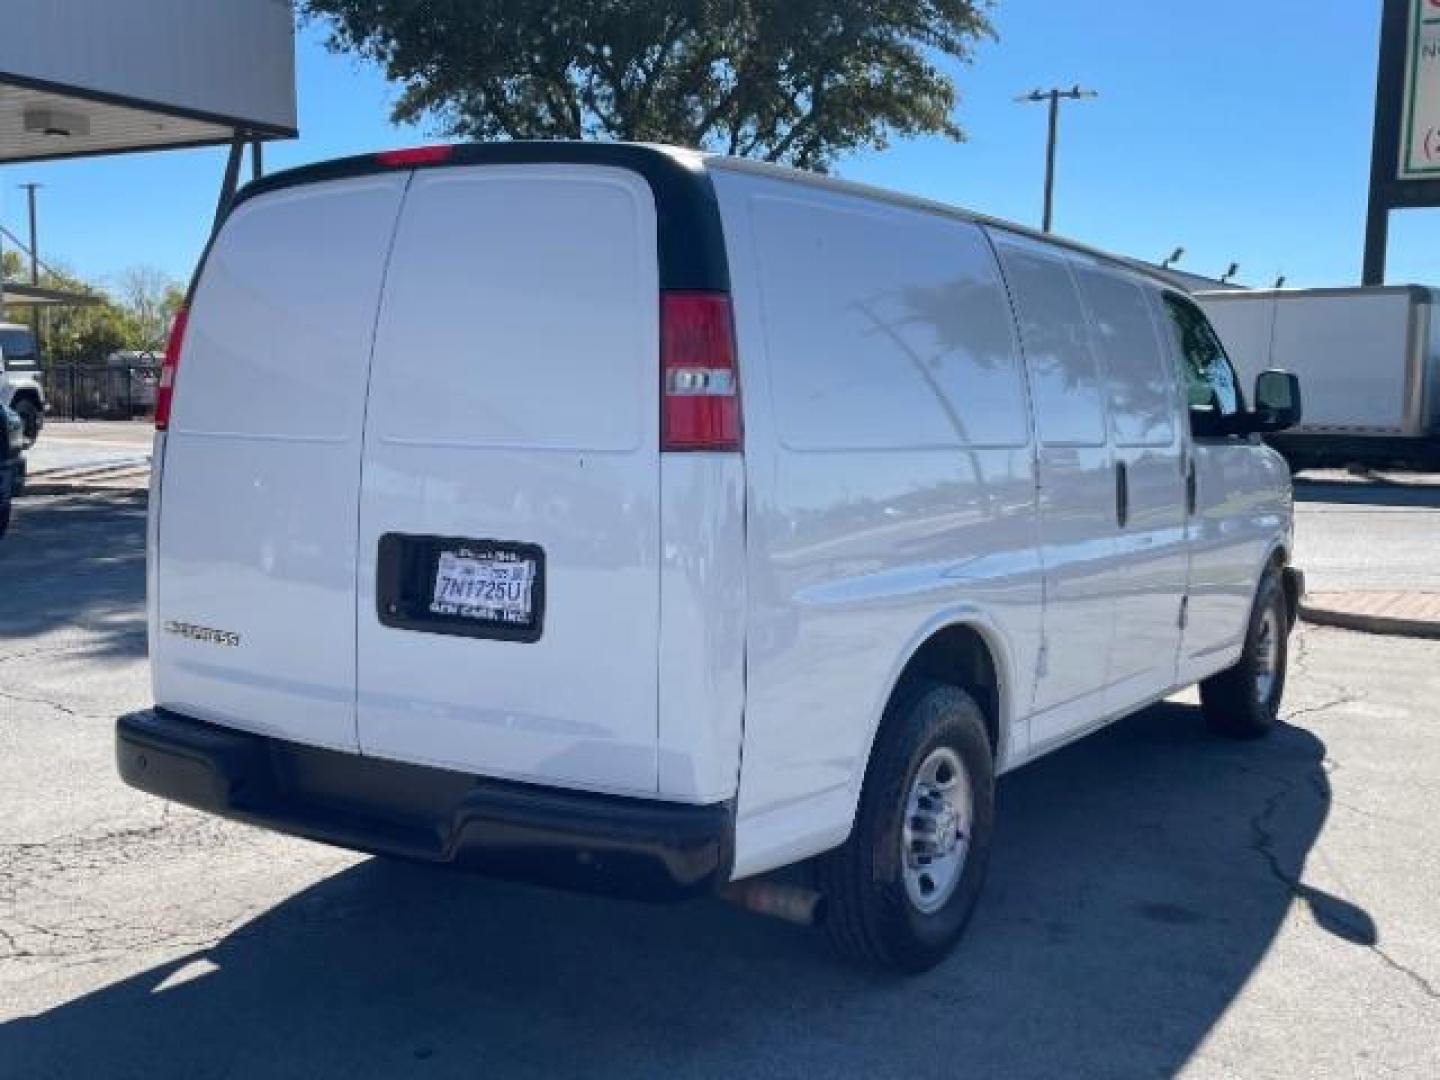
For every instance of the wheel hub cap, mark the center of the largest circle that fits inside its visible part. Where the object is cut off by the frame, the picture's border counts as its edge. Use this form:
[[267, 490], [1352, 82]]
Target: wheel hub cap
[[936, 835]]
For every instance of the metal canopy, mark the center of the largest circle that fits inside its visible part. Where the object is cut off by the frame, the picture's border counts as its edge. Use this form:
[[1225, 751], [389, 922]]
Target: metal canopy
[[16, 295], [86, 77], [39, 125]]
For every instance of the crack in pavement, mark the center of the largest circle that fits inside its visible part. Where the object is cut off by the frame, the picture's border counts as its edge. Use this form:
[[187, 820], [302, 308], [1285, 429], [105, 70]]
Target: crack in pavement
[[1263, 844], [49, 883], [57, 706], [1312, 710], [1263, 838], [1301, 660]]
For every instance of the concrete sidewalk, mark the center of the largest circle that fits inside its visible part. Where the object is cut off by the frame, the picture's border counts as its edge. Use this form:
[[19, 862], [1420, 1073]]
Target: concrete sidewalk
[[1409, 614]]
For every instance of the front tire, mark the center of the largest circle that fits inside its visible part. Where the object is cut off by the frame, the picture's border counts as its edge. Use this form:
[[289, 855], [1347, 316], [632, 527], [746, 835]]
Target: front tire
[[1243, 701], [28, 409], [900, 891]]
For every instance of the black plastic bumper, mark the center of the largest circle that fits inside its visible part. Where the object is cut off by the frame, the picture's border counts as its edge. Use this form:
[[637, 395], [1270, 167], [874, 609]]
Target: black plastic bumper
[[638, 848]]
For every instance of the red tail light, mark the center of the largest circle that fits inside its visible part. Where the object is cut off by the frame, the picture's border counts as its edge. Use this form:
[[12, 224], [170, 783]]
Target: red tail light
[[700, 385], [416, 155], [165, 392]]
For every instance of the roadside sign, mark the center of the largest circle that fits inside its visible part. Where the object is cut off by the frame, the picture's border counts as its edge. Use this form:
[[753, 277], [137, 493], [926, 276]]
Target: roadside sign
[[1405, 158], [1420, 142]]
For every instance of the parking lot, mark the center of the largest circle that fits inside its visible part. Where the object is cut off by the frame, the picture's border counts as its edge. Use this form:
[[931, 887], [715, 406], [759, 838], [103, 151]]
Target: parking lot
[[1161, 901]]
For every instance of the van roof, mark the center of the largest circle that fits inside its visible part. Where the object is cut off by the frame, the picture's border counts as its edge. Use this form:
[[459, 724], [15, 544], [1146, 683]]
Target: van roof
[[896, 198], [692, 247], [692, 254]]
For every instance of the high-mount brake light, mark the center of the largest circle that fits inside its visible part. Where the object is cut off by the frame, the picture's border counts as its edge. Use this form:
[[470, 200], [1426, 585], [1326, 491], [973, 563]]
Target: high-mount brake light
[[415, 155], [700, 384], [165, 392]]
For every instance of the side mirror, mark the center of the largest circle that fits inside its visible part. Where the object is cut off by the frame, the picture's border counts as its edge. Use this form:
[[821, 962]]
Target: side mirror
[[1277, 402]]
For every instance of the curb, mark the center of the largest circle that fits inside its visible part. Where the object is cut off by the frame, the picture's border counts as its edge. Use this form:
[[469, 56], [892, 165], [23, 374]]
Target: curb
[[1388, 625], [44, 490]]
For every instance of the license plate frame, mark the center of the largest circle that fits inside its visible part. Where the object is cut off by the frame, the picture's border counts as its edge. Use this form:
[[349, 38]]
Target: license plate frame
[[408, 571]]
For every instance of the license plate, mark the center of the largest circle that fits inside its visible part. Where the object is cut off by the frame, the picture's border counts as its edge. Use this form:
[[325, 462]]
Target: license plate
[[497, 586], [463, 586]]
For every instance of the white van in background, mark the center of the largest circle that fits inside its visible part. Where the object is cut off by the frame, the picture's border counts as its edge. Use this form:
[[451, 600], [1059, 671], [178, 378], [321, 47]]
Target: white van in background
[[20, 386], [644, 521]]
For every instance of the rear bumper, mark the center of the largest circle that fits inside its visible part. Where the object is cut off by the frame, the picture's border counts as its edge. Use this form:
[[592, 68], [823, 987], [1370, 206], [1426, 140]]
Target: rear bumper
[[638, 848]]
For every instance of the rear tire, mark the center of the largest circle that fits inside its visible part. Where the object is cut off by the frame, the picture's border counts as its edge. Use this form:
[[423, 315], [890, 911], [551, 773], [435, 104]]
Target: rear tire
[[901, 889], [1243, 701]]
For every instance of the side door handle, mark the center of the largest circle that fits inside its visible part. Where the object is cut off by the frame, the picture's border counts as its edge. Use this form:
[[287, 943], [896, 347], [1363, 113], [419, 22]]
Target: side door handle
[[1122, 494]]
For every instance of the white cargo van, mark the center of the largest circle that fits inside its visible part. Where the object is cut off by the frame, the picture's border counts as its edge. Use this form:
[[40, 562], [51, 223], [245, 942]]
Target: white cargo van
[[643, 521]]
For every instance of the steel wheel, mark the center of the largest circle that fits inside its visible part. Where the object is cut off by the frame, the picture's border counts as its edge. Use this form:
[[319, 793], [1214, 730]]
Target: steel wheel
[[1267, 655], [936, 835]]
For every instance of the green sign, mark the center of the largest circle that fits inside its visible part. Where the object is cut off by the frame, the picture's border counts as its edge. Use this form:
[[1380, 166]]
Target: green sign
[[1420, 139]]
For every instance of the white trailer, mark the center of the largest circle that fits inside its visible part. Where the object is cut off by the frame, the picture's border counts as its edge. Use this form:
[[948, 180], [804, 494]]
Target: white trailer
[[1368, 361]]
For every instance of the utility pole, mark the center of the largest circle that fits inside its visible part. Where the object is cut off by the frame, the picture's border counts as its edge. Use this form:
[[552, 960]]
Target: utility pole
[[1054, 96], [30, 190]]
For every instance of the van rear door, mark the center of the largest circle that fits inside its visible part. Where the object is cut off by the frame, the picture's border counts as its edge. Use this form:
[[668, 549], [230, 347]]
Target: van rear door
[[255, 556], [509, 510]]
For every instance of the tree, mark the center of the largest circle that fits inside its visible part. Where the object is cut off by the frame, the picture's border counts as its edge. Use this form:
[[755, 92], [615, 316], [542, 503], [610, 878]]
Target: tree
[[794, 81], [84, 335], [151, 297], [139, 321]]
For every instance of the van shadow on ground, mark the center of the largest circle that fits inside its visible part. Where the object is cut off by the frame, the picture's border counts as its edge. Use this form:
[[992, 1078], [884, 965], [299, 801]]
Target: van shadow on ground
[[1139, 878]]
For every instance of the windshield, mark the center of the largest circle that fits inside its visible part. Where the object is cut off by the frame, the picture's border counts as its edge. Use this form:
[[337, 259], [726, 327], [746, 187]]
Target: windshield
[[17, 345]]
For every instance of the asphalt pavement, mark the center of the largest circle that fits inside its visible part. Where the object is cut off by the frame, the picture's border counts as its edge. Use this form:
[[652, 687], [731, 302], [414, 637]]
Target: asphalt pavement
[[1161, 901], [1368, 533]]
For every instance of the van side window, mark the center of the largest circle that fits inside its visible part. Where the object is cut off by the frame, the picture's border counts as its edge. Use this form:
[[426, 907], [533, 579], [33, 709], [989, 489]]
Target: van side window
[[908, 340], [1142, 380], [1064, 370], [1211, 386]]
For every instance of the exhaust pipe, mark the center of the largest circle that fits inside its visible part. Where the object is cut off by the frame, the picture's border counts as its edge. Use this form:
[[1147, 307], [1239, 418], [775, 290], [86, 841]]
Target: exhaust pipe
[[791, 903]]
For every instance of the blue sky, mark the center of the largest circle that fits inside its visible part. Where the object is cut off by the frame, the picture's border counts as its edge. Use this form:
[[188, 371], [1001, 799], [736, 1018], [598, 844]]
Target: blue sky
[[1238, 129]]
